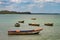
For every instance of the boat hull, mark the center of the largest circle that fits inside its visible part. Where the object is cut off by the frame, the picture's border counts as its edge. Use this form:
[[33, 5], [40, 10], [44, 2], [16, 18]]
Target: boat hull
[[49, 24], [25, 32], [20, 21], [34, 24], [22, 33], [33, 18]]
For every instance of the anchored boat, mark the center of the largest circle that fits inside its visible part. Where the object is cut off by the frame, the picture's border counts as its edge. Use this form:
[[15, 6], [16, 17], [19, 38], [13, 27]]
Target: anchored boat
[[25, 32], [33, 18], [31, 24], [48, 24], [21, 21], [17, 25]]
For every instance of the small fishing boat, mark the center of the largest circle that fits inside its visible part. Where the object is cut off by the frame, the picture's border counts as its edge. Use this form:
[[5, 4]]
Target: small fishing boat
[[48, 24], [21, 21], [17, 25], [31, 24], [33, 18], [25, 32]]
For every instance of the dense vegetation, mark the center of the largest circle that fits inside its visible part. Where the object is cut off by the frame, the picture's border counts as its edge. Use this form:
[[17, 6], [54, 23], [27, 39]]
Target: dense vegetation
[[13, 12]]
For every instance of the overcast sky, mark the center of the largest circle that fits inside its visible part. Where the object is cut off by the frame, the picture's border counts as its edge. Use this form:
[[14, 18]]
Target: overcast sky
[[34, 6]]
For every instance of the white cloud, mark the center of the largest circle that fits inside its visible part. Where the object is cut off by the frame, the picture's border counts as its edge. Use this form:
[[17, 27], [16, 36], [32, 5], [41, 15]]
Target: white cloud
[[1, 2], [36, 1], [41, 2], [17, 1], [57, 0], [25, 1], [30, 7], [49, 0], [41, 6], [10, 7]]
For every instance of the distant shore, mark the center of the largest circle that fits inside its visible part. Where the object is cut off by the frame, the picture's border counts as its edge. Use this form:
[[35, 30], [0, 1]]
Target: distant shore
[[47, 13], [14, 12]]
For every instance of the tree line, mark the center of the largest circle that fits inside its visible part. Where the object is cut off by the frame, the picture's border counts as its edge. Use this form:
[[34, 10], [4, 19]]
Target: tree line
[[13, 12]]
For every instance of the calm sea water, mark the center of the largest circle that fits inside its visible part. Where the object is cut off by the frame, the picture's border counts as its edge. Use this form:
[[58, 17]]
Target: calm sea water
[[7, 22]]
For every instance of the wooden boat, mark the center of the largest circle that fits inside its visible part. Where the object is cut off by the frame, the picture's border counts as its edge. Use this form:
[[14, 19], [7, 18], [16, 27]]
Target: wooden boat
[[48, 24], [21, 21], [33, 18], [31, 24], [25, 32], [17, 25]]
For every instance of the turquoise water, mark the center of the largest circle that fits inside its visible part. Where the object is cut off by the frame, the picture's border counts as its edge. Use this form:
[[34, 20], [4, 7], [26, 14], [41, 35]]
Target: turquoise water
[[7, 22]]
